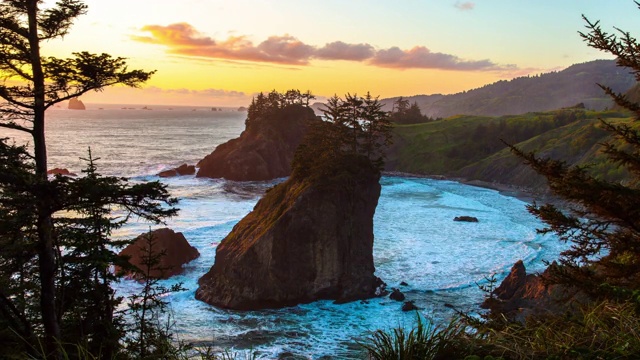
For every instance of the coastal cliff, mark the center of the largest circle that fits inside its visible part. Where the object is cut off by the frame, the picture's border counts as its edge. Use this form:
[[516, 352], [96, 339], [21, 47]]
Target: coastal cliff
[[265, 148], [302, 242]]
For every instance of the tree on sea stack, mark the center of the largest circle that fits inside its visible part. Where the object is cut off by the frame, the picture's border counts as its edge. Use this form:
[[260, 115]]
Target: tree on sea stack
[[310, 237], [31, 84]]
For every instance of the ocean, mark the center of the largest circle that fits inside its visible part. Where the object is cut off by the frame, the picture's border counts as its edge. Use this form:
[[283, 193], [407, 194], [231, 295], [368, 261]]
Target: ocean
[[416, 239]]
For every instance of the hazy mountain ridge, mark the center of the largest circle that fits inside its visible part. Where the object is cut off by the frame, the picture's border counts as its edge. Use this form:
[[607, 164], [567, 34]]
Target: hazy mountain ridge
[[545, 92]]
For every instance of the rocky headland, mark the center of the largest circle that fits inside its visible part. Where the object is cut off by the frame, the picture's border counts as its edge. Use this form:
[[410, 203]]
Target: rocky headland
[[265, 148], [307, 239]]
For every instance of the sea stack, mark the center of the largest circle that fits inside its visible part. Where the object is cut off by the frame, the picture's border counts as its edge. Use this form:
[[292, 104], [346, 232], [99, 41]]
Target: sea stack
[[173, 245], [305, 240], [76, 104], [265, 148]]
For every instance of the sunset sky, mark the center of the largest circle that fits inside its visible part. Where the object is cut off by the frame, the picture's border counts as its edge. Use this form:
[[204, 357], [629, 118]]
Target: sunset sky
[[222, 52]]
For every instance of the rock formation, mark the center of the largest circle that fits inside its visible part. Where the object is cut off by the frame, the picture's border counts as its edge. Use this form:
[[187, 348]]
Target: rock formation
[[181, 170], [263, 151], [465, 218], [60, 171], [521, 294], [396, 295], [175, 247], [76, 104], [304, 241], [409, 306]]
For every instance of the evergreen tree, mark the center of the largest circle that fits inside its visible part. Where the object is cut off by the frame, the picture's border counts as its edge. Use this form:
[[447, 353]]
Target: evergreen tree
[[84, 218], [263, 106], [18, 240], [603, 224], [42, 83], [149, 336], [353, 127], [86, 299], [376, 128], [400, 106]]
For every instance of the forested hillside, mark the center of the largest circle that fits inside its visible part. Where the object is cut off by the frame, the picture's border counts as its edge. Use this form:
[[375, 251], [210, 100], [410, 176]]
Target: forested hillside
[[545, 92]]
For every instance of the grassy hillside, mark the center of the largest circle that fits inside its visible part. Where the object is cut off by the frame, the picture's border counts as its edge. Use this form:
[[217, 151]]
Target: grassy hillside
[[471, 146], [544, 92]]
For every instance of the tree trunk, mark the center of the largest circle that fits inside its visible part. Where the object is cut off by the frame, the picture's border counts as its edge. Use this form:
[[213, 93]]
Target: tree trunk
[[46, 252]]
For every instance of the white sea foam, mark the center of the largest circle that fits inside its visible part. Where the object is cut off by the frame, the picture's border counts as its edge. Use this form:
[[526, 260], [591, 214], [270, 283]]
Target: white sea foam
[[416, 239]]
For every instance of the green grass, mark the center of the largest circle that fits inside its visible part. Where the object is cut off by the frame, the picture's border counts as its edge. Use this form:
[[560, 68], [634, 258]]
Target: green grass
[[602, 330], [425, 342], [470, 146]]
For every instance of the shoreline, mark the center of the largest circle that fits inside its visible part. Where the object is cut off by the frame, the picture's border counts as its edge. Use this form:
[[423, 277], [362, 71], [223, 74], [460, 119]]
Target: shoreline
[[524, 194]]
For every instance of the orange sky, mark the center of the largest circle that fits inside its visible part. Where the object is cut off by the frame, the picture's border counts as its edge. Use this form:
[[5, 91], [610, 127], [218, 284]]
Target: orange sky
[[221, 53]]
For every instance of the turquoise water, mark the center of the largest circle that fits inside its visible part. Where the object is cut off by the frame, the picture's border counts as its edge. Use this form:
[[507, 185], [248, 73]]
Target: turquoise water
[[416, 240]]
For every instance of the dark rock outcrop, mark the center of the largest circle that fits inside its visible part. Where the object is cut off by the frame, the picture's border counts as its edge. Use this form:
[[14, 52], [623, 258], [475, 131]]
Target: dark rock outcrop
[[396, 295], [521, 294], [465, 218], [60, 171], [263, 151], [76, 104], [177, 252], [409, 306], [181, 170], [304, 241]]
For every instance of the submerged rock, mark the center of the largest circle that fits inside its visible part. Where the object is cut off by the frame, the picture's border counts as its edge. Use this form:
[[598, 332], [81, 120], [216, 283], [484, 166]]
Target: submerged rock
[[409, 306], [181, 170], [263, 151], [465, 218], [177, 252], [303, 241], [396, 295]]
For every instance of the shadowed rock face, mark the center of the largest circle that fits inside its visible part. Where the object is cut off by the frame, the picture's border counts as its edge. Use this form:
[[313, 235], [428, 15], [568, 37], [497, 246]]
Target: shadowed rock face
[[263, 151], [302, 242], [175, 246], [521, 295]]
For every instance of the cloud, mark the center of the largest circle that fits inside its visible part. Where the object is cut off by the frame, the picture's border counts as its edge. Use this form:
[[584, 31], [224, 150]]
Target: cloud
[[183, 39], [467, 5], [422, 58], [339, 50], [204, 92], [180, 35]]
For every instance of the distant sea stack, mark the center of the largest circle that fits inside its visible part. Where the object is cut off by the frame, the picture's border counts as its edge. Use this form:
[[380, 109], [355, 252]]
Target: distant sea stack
[[305, 240], [76, 104], [265, 148]]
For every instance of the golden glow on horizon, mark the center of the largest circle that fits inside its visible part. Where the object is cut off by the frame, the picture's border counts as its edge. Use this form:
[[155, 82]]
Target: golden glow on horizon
[[501, 34]]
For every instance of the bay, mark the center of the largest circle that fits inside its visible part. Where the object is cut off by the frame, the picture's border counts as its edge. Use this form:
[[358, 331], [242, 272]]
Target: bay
[[416, 239]]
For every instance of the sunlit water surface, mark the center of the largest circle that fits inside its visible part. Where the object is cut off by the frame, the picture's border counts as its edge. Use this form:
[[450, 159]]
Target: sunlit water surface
[[416, 240]]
